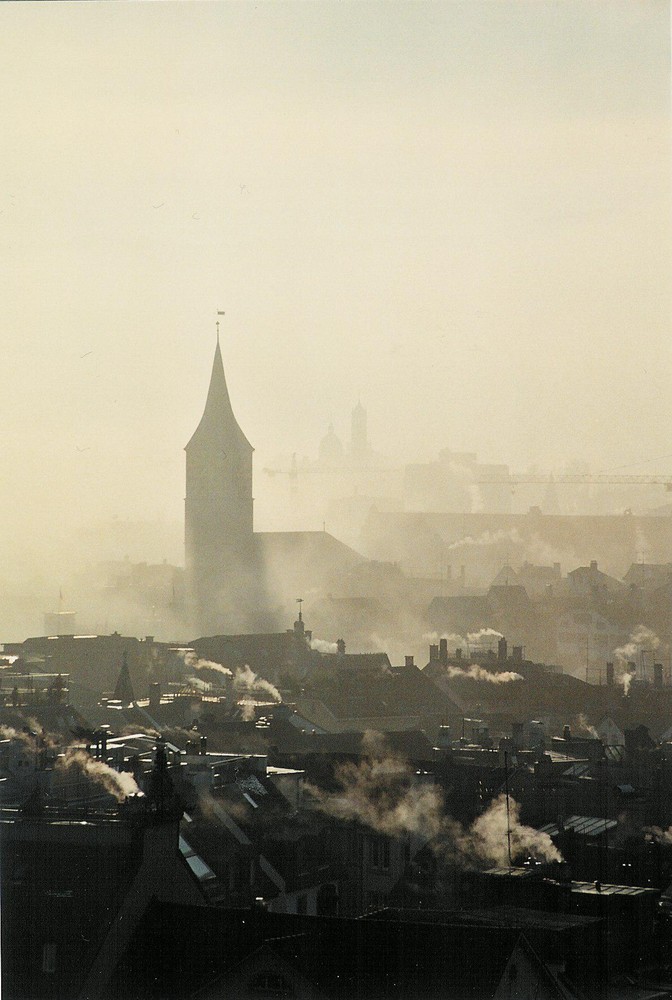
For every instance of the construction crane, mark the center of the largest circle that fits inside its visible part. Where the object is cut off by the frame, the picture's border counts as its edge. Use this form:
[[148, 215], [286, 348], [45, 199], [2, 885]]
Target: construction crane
[[581, 479]]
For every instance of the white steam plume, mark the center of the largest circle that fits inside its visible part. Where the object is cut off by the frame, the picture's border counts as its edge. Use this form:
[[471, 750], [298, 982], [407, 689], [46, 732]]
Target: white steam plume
[[487, 538], [487, 838], [247, 710], [483, 636], [323, 646], [584, 726], [476, 673], [641, 640], [120, 784], [662, 836], [451, 638], [196, 663], [381, 793], [245, 679], [199, 684]]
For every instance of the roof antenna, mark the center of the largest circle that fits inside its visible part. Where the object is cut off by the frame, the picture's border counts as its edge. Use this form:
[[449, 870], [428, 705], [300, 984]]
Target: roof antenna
[[219, 314], [508, 817]]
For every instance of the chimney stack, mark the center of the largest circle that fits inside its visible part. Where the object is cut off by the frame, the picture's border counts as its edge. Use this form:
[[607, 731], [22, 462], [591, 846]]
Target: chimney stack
[[517, 654], [566, 733], [610, 674], [154, 695], [458, 654], [340, 647], [410, 662], [433, 653], [443, 652], [658, 675], [502, 650]]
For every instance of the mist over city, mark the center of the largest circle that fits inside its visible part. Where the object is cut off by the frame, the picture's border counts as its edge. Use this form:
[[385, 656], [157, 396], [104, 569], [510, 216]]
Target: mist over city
[[336, 598]]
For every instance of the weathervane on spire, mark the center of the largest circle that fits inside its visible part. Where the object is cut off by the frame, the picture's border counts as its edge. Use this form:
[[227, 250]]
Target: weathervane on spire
[[219, 313]]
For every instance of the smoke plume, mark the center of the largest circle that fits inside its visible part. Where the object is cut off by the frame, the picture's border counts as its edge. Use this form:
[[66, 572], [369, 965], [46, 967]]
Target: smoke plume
[[198, 684], [583, 725], [246, 680], [640, 641], [322, 646], [119, 784], [476, 673], [487, 538], [382, 792], [194, 662]]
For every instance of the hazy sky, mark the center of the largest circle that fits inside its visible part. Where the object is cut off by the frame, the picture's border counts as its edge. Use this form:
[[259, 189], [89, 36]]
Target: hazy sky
[[459, 212]]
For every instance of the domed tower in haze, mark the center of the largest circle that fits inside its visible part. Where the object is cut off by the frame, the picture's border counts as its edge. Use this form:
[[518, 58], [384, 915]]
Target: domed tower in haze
[[359, 444], [219, 542]]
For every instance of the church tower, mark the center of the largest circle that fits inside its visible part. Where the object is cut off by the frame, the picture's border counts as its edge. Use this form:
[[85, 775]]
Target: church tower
[[359, 444], [219, 542]]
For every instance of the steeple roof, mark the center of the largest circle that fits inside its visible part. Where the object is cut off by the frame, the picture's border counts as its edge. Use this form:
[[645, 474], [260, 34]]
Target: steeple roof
[[218, 423], [123, 691]]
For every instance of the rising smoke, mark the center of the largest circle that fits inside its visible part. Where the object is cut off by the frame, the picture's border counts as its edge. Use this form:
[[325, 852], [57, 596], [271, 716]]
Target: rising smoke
[[244, 678], [323, 646], [119, 784], [382, 793], [642, 640], [477, 673], [487, 538]]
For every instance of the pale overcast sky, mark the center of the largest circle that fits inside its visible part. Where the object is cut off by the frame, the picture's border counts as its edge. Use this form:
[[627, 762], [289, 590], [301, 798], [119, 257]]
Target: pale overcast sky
[[457, 212]]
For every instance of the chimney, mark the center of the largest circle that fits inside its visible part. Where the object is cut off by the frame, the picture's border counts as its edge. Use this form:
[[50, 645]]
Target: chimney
[[443, 652], [658, 675], [340, 647], [154, 695], [502, 649], [593, 564], [409, 661], [566, 733], [610, 674], [433, 653], [458, 654], [517, 654]]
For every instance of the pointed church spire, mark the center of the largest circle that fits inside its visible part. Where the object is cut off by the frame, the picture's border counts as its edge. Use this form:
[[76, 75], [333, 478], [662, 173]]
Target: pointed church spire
[[218, 423], [123, 692]]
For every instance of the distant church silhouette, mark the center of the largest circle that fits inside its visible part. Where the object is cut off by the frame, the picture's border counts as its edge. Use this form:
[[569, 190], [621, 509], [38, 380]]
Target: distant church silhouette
[[239, 580]]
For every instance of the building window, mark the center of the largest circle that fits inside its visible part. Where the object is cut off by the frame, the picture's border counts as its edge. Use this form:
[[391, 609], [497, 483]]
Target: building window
[[379, 853], [271, 984], [374, 900], [49, 957]]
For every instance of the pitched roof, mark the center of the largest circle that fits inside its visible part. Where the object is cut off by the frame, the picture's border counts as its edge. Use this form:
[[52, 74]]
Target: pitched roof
[[179, 950]]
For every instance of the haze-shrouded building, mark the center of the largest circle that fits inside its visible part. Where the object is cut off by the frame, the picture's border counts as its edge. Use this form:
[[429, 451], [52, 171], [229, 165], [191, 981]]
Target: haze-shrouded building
[[238, 580], [218, 506]]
